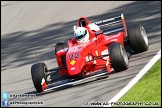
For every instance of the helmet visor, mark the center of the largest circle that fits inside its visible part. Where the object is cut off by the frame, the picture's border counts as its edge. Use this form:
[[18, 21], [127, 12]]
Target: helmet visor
[[81, 35]]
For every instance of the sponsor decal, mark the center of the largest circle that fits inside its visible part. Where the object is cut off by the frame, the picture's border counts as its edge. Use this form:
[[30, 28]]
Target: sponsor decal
[[72, 68], [88, 58], [105, 52], [103, 21], [72, 62], [96, 53], [94, 62], [43, 83], [73, 56]]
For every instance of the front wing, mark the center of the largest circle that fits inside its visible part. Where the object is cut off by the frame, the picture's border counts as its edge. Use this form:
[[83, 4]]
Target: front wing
[[66, 83]]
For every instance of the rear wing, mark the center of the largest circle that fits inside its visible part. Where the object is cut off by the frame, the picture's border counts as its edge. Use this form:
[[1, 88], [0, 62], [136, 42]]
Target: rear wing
[[119, 21]]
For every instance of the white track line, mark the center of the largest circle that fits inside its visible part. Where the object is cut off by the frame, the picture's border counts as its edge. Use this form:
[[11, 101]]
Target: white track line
[[135, 79]]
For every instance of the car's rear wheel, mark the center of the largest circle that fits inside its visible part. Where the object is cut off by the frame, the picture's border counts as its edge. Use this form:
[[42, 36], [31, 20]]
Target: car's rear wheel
[[118, 57], [39, 74], [138, 38]]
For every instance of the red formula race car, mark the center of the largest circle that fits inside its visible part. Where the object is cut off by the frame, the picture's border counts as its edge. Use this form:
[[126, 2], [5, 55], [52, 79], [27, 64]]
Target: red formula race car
[[108, 49]]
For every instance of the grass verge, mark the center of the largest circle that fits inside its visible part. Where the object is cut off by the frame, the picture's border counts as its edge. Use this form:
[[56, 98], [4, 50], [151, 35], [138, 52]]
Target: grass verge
[[147, 92]]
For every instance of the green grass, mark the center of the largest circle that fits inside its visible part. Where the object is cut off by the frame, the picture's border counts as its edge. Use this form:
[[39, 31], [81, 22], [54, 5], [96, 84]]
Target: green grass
[[147, 91]]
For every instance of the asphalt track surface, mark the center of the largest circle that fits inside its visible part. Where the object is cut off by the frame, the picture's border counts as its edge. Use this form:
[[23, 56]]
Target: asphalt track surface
[[30, 30]]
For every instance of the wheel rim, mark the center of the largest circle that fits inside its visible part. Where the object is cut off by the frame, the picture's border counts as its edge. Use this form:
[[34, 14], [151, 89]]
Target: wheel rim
[[144, 35], [46, 74], [124, 55]]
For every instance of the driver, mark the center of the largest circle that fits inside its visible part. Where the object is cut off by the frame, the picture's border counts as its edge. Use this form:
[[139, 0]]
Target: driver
[[82, 35]]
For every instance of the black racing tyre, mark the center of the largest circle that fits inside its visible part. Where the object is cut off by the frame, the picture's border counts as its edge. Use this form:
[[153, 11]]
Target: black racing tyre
[[138, 38], [38, 72], [118, 57]]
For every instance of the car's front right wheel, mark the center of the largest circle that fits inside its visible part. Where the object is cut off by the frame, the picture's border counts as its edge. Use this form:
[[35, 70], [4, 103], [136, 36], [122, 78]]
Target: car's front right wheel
[[39, 74], [118, 57]]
